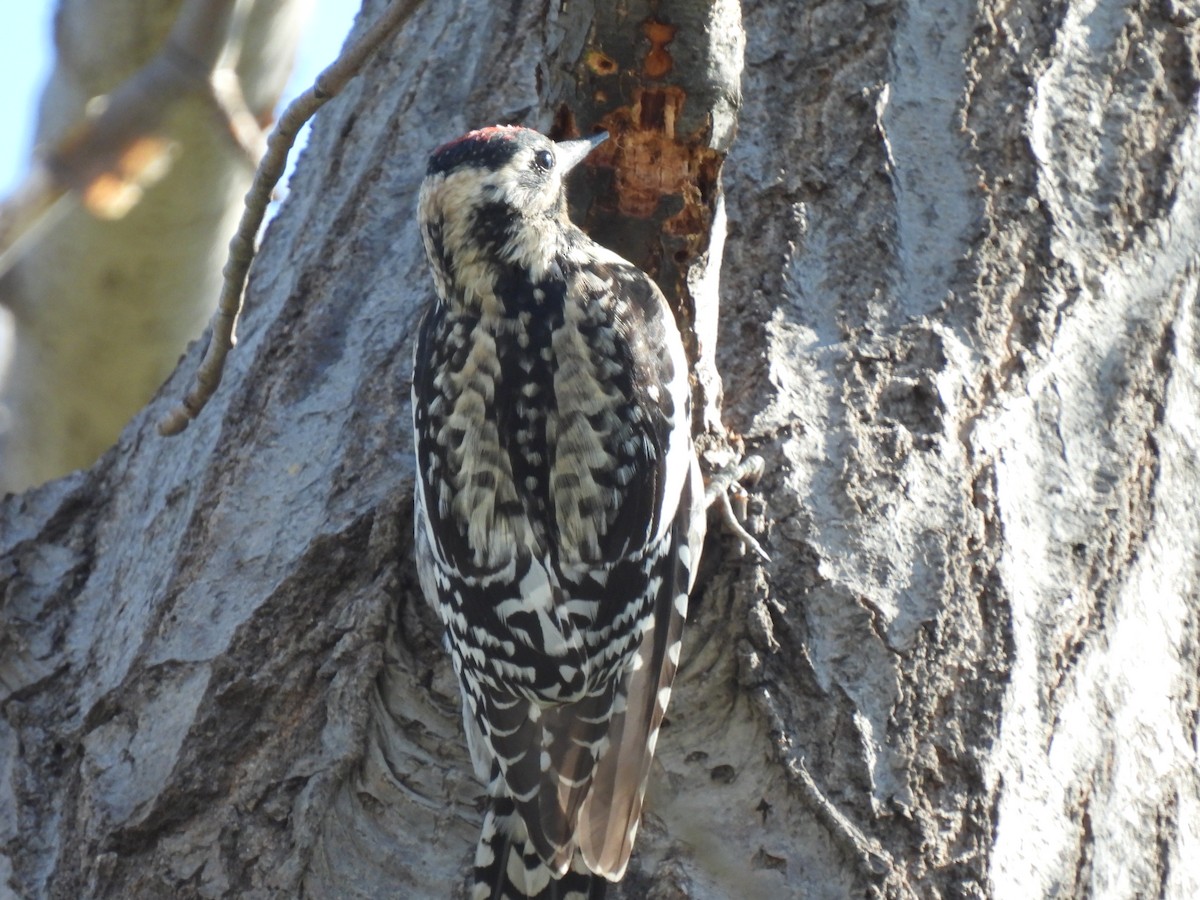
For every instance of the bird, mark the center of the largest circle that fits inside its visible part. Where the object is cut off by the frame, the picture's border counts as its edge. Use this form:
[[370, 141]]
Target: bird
[[558, 509]]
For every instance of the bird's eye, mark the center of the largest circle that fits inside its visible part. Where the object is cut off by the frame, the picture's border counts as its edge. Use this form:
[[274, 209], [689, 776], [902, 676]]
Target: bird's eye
[[544, 159]]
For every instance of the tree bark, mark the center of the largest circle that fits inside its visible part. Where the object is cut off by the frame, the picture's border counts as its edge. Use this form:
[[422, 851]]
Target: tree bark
[[958, 319]]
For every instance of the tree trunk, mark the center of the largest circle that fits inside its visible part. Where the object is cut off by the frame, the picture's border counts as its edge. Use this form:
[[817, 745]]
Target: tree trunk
[[958, 319]]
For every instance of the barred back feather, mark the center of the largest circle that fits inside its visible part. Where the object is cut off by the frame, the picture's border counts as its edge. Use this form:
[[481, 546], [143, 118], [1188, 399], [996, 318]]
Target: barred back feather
[[558, 508]]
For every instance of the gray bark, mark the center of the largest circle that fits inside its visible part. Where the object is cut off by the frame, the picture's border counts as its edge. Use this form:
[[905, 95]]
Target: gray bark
[[958, 303]]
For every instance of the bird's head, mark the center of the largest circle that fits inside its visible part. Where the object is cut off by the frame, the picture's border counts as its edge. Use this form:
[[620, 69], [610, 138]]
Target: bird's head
[[493, 198]]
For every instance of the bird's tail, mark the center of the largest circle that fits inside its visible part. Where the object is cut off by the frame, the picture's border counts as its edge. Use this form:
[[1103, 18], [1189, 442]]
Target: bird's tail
[[507, 867]]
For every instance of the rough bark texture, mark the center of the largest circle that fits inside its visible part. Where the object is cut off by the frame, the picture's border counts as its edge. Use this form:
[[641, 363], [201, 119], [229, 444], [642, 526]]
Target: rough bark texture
[[958, 318]]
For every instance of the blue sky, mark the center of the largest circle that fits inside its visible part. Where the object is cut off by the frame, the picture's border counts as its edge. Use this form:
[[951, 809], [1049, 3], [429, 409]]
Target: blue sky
[[26, 56]]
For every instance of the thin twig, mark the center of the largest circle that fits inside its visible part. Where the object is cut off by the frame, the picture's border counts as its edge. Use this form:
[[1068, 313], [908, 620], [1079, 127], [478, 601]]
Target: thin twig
[[241, 247], [235, 115]]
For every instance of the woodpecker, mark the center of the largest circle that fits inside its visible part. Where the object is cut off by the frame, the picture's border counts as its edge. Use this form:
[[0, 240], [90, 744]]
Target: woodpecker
[[558, 509]]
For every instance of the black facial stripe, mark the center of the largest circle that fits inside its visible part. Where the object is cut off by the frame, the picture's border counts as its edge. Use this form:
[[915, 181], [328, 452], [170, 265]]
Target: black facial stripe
[[493, 225]]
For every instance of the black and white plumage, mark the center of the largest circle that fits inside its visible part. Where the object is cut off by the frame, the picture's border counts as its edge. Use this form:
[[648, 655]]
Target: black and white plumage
[[558, 507]]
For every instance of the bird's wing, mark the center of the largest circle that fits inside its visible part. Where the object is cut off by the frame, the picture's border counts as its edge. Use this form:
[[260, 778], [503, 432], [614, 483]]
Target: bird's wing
[[610, 815]]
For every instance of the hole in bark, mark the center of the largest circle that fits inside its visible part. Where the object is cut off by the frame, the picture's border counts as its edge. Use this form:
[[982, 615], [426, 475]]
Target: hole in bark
[[601, 63]]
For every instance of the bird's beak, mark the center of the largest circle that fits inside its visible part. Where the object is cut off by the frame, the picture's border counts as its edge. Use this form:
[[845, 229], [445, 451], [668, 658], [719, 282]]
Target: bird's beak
[[571, 153]]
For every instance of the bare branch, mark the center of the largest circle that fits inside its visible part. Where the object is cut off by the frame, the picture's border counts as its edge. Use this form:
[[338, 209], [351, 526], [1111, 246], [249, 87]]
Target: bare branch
[[241, 248]]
